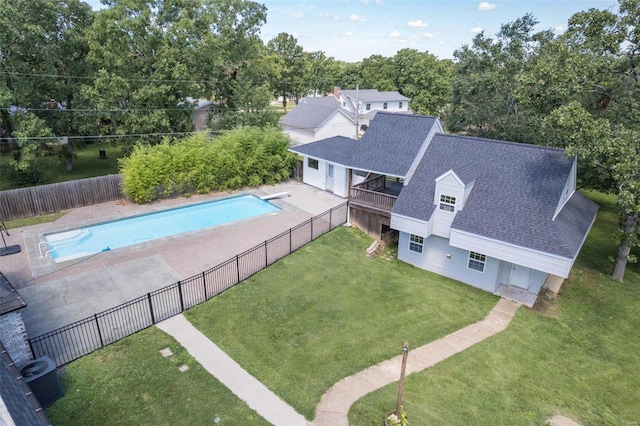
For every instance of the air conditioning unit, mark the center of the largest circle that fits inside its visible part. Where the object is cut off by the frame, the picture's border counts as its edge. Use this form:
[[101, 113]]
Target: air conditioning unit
[[42, 377]]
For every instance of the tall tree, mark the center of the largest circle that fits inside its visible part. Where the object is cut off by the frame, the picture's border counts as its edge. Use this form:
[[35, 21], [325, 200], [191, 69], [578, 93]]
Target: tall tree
[[321, 73], [486, 81], [600, 120], [378, 72], [42, 56], [291, 63], [424, 79]]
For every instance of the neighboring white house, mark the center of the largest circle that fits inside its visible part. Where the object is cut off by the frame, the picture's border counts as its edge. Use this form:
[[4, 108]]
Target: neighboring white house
[[496, 215], [317, 118], [366, 102]]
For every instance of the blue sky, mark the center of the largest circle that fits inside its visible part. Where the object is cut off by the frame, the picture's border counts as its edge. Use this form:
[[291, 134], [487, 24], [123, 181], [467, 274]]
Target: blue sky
[[351, 30]]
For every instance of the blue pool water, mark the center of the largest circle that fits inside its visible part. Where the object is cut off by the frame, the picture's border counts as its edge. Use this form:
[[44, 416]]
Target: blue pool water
[[94, 239]]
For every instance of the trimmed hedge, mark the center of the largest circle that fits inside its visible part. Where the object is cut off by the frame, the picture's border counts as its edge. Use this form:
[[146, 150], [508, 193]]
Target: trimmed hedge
[[198, 163]]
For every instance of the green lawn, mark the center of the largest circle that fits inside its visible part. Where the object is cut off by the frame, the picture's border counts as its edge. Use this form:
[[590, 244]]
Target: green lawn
[[131, 383], [327, 311], [580, 357], [86, 163]]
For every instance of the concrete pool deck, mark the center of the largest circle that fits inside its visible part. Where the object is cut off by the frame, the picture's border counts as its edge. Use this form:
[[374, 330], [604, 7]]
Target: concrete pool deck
[[59, 294]]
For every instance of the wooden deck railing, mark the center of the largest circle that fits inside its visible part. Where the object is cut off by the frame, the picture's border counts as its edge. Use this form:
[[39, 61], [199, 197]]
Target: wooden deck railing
[[367, 198]]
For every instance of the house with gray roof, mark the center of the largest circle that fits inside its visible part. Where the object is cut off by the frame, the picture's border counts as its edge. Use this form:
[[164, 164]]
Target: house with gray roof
[[500, 216], [367, 102], [317, 118]]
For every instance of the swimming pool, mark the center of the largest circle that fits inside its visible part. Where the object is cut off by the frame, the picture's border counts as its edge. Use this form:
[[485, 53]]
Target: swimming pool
[[76, 243]]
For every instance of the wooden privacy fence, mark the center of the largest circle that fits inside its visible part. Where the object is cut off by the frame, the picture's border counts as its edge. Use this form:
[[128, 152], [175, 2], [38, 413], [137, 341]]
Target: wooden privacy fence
[[46, 199], [75, 340]]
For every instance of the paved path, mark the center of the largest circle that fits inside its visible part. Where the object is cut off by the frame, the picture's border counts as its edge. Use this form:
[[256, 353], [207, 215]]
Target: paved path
[[336, 402], [229, 373]]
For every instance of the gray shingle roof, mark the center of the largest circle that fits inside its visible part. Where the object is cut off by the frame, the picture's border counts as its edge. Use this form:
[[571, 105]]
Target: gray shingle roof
[[389, 146], [309, 116], [373, 95], [515, 195], [326, 101], [337, 149]]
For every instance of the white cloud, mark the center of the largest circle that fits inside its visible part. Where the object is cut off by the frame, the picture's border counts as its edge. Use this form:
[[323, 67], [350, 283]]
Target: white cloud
[[336, 17], [428, 35], [558, 29], [379, 2], [298, 15], [394, 34], [486, 6], [477, 30], [417, 23], [325, 15], [356, 17], [349, 34], [365, 2]]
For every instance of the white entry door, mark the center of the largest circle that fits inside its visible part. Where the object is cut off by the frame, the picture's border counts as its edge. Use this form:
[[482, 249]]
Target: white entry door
[[329, 184], [520, 276]]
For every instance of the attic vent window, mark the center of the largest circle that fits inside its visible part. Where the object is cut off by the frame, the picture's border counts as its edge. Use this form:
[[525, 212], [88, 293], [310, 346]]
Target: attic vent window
[[400, 105], [384, 105], [447, 203]]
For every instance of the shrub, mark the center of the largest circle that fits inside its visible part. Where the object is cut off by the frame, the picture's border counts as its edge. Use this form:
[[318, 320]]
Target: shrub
[[198, 163]]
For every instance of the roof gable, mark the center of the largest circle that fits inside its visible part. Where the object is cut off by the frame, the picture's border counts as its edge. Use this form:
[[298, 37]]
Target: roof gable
[[310, 116]]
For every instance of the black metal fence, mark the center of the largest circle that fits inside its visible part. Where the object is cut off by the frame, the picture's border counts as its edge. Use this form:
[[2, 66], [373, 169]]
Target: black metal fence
[[75, 340]]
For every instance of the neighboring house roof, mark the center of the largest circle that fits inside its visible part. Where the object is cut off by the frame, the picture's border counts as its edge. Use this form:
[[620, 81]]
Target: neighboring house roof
[[515, 195], [310, 116], [326, 101], [373, 95], [389, 146]]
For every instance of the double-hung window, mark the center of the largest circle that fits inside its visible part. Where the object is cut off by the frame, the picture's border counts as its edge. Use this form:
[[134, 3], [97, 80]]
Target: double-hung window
[[447, 203], [416, 243], [384, 105], [476, 261]]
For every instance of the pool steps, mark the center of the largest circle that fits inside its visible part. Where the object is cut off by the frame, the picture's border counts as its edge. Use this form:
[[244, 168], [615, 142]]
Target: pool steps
[[62, 239]]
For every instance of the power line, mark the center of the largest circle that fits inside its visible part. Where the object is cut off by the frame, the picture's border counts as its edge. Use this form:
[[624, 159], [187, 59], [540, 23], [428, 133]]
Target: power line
[[18, 140]]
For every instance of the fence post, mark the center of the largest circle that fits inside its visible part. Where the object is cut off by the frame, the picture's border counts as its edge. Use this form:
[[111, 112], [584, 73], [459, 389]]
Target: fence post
[[266, 255], [95, 316], [153, 318], [290, 244], [330, 224], [311, 230], [180, 293], [238, 267], [204, 284]]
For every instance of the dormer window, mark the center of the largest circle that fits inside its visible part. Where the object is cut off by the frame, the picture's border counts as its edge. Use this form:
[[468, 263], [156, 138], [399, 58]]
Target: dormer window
[[447, 203]]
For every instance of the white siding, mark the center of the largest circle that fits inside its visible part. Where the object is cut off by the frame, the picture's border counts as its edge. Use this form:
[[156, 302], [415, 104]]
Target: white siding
[[356, 179], [569, 188], [392, 106], [299, 136], [314, 177], [341, 181], [544, 262], [337, 125], [447, 184], [410, 225], [435, 258]]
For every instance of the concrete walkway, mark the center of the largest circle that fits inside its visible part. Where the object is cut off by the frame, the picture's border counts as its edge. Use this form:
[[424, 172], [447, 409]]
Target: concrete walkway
[[336, 402], [230, 374]]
